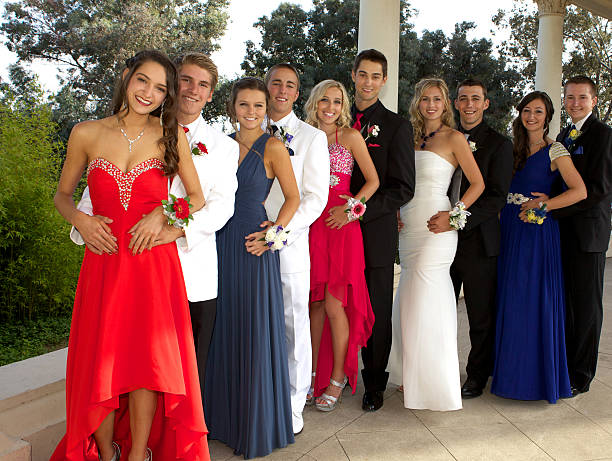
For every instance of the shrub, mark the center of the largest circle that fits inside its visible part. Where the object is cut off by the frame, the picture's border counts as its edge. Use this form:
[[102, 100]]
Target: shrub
[[39, 265]]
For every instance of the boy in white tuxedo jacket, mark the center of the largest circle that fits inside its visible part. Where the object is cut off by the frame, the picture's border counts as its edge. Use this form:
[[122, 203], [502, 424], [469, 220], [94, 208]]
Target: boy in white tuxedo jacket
[[307, 147], [215, 157]]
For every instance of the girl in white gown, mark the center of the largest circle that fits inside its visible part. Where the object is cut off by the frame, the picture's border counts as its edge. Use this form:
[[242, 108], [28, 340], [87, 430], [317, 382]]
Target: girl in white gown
[[425, 316]]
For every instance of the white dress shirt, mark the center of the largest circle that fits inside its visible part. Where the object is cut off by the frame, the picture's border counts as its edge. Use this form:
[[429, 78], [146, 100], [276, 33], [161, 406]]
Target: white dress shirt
[[217, 174], [311, 169]]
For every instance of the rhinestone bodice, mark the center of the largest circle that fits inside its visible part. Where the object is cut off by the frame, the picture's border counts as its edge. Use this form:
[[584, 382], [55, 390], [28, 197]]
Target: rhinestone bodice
[[125, 181], [341, 164]]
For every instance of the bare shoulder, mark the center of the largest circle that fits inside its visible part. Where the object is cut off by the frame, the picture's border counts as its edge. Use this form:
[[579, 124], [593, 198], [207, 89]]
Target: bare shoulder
[[456, 137], [274, 148]]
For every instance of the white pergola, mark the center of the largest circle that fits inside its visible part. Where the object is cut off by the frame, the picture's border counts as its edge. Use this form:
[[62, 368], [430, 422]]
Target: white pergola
[[379, 28]]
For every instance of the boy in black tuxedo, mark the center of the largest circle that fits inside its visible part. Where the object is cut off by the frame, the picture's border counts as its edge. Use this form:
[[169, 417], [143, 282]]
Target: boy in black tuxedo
[[585, 230], [475, 264], [392, 151]]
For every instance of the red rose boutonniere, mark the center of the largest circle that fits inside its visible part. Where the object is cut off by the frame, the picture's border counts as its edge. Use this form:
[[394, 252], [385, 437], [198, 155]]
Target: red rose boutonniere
[[199, 149]]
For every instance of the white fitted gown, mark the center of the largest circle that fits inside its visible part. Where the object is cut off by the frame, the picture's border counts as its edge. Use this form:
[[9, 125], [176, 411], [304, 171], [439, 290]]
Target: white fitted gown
[[424, 352]]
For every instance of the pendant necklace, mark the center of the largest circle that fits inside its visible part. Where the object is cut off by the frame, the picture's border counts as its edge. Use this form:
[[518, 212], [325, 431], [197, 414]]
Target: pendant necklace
[[131, 141], [427, 137]]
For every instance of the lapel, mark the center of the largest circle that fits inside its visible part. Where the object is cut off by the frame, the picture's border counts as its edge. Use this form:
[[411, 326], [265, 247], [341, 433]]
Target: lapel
[[586, 125]]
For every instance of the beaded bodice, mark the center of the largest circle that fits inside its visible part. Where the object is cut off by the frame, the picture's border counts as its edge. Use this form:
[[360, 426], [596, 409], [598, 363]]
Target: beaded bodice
[[125, 181], [341, 164]]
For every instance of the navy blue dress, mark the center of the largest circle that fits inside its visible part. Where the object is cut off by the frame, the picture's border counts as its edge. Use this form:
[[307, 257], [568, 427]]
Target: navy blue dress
[[246, 394], [530, 359]]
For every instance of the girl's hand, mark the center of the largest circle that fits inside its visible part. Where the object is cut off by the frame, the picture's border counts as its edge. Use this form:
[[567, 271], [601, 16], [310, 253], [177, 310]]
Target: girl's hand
[[534, 203], [96, 233]]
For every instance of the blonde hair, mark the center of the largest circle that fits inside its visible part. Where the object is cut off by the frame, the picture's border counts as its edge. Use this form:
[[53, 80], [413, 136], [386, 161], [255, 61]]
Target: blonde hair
[[317, 93], [203, 62], [416, 118]]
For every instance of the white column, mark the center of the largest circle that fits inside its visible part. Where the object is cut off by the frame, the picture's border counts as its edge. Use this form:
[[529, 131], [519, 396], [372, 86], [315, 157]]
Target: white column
[[379, 22], [550, 48]]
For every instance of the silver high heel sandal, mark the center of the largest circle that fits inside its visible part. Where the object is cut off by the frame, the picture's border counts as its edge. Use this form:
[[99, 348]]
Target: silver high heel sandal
[[117, 454], [149, 455], [310, 398], [329, 401]]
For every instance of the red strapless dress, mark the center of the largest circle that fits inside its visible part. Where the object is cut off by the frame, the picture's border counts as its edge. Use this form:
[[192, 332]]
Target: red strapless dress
[[337, 261], [131, 329]]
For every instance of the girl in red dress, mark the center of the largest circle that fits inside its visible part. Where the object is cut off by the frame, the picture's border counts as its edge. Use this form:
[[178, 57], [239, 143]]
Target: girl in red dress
[[341, 316], [131, 379]]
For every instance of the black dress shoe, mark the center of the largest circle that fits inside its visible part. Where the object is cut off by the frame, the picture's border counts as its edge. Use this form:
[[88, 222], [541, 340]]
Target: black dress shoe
[[471, 389], [576, 391], [372, 400]]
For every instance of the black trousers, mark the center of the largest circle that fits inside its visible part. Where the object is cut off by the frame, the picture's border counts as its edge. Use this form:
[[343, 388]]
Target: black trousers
[[376, 355], [584, 277], [203, 315], [478, 274]]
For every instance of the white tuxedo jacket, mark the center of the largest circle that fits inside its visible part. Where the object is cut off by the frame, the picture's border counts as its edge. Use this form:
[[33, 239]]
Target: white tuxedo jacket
[[311, 168], [217, 173]]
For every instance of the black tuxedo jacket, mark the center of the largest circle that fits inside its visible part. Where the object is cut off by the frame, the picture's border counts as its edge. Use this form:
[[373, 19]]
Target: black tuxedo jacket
[[392, 152], [590, 218], [494, 157]]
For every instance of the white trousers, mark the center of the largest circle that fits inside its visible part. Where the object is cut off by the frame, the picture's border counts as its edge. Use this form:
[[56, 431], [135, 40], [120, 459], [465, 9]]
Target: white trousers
[[296, 291]]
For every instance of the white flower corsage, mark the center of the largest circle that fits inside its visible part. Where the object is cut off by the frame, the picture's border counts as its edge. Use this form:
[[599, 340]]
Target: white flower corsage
[[472, 146], [276, 237], [458, 216], [334, 180], [355, 208]]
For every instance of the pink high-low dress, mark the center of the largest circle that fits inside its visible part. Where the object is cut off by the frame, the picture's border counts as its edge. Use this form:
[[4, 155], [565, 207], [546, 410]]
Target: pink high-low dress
[[337, 260]]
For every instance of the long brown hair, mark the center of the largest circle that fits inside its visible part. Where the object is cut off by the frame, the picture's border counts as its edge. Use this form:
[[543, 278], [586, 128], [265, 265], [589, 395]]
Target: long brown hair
[[521, 139], [167, 110], [416, 118]]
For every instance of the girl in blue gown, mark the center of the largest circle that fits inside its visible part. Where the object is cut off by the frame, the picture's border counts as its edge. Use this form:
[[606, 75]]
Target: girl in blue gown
[[530, 359], [247, 380]]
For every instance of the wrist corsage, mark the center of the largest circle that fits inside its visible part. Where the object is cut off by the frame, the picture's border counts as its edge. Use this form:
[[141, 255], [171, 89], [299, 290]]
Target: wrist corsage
[[276, 237], [457, 217], [355, 208], [177, 211], [537, 215]]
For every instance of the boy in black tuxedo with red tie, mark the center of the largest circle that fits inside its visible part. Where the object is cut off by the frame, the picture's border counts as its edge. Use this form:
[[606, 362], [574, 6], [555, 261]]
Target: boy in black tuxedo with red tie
[[391, 147], [585, 230]]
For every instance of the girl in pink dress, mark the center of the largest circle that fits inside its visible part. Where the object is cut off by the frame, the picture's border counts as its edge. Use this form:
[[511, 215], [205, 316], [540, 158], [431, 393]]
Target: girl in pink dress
[[341, 316]]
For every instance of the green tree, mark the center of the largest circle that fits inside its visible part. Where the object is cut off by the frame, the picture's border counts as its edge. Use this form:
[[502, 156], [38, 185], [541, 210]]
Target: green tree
[[587, 41], [322, 43], [92, 39], [38, 264]]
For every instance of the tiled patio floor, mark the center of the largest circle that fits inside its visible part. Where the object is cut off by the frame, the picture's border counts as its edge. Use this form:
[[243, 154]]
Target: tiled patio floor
[[488, 428]]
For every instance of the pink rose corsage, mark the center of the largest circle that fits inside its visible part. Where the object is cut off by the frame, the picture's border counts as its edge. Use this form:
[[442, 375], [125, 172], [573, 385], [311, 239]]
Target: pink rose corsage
[[355, 208]]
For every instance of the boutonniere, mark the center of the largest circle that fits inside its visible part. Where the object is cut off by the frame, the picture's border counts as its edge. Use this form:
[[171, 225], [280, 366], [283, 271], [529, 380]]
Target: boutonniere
[[286, 137], [199, 149], [574, 134], [371, 131], [473, 146]]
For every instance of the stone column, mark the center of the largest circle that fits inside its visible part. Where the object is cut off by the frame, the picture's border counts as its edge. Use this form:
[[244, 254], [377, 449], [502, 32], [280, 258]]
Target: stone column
[[550, 48], [379, 22]]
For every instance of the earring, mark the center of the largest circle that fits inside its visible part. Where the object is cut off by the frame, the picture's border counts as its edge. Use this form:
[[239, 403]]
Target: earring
[[161, 114]]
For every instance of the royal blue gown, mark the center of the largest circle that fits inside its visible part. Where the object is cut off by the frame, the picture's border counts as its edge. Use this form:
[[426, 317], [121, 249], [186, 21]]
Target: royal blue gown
[[246, 394], [530, 359]]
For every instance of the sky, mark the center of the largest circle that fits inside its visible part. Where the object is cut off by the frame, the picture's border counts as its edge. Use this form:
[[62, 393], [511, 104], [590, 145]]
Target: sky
[[432, 15]]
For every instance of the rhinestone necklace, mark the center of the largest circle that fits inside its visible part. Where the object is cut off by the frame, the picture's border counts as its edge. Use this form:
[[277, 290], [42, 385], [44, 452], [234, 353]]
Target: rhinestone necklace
[[427, 137], [131, 141]]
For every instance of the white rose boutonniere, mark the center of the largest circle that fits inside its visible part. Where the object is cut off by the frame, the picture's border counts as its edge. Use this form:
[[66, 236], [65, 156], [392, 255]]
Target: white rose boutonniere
[[473, 146]]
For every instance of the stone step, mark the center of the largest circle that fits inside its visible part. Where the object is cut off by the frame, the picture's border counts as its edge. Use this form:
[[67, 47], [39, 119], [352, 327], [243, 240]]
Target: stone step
[[14, 449], [40, 422]]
